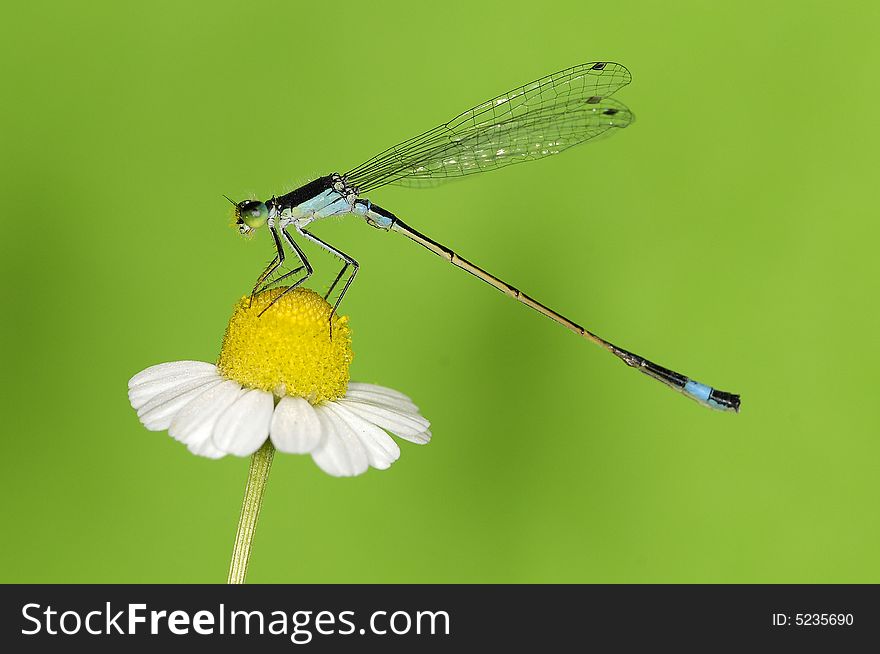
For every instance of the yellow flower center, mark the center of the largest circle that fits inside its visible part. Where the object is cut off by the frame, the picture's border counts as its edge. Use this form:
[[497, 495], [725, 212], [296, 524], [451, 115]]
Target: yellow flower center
[[288, 350]]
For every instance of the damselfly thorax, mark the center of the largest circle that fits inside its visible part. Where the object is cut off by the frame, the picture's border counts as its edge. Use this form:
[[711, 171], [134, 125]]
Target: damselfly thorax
[[533, 121], [322, 198]]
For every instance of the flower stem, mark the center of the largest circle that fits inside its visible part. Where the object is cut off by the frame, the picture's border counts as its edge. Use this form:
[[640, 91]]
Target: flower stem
[[258, 475]]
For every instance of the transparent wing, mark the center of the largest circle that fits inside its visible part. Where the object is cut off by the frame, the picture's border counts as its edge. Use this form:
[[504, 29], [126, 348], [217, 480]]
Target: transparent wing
[[531, 137], [533, 121]]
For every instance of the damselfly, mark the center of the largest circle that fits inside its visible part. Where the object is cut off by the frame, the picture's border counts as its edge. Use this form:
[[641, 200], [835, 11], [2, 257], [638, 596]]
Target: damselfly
[[529, 122]]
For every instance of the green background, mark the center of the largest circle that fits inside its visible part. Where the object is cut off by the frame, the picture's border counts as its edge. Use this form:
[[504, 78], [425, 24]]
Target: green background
[[730, 233]]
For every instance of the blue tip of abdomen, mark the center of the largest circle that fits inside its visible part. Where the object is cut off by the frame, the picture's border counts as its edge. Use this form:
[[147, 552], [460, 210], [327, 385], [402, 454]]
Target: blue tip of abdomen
[[700, 392], [708, 396]]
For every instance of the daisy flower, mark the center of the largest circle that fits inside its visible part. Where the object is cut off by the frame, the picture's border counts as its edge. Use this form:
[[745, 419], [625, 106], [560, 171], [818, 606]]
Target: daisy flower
[[280, 378], [281, 382]]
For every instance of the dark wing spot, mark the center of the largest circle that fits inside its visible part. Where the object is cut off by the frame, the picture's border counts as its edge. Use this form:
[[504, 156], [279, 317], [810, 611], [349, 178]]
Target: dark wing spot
[[599, 66], [610, 112], [594, 99]]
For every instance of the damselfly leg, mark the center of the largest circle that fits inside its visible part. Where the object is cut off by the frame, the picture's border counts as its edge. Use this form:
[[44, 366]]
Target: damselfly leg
[[336, 281], [258, 285], [303, 259], [278, 280], [276, 262], [348, 261]]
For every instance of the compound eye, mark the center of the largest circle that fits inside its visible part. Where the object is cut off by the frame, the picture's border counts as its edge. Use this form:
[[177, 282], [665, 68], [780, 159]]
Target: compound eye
[[252, 214]]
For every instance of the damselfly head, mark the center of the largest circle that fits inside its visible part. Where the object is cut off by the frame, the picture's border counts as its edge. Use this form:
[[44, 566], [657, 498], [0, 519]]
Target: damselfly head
[[250, 215]]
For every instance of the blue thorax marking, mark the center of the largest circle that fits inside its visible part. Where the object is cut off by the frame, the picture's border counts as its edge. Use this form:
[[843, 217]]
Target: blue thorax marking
[[338, 205], [328, 202], [318, 202]]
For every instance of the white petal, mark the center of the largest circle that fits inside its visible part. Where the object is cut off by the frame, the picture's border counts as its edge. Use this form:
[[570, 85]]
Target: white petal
[[406, 426], [141, 393], [206, 448], [295, 427], [173, 391], [167, 369], [375, 388], [422, 438], [243, 427], [194, 423], [340, 453], [157, 414], [381, 449], [393, 403]]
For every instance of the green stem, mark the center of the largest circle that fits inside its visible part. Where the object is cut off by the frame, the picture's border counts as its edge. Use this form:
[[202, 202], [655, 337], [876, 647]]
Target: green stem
[[258, 475]]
